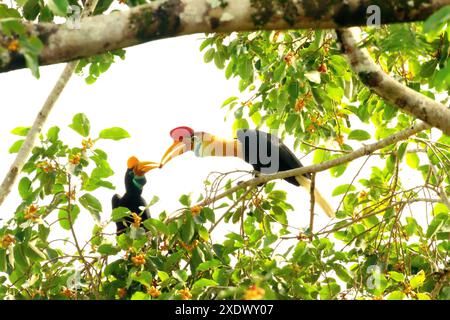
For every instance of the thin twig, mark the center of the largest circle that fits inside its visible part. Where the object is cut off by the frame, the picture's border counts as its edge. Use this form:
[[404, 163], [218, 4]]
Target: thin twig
[[311, 215]]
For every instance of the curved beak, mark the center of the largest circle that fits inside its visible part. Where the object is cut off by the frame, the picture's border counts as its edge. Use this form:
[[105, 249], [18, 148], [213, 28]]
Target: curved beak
[[145, 166], [176, 149]]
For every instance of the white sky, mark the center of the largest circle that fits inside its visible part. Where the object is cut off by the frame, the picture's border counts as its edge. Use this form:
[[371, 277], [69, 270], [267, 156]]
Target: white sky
[[160, 85]]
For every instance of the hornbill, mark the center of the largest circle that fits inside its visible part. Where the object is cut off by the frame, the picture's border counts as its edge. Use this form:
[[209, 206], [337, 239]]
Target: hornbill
[[134, 183], [265, 152]]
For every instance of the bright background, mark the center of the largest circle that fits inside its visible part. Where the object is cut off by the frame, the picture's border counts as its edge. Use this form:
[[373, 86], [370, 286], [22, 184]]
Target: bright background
[[159, 86]]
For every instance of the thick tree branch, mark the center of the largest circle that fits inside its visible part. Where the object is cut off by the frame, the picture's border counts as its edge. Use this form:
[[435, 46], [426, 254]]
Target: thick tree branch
[[397, 94], [171, 18], [41, 118], [364, 151]]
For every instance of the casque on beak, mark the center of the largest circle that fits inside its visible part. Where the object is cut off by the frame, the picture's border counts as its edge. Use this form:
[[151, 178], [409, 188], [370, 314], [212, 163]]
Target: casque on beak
[[140, 168], [176, 149]]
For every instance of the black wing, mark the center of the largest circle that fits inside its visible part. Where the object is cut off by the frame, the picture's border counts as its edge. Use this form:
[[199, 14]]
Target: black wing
[[116, 201], [288, 161], [254, 140]]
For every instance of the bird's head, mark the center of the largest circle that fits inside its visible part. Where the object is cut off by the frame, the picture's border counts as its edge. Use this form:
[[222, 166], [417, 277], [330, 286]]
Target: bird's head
[[184, 139], [135, 176]]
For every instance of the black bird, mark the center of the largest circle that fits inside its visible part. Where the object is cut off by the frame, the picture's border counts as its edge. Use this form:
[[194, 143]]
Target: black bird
[[265, 152], [134, 183]]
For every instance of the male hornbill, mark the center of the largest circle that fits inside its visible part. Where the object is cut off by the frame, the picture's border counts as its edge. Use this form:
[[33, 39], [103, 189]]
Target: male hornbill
[[265, 152], [134, 183]]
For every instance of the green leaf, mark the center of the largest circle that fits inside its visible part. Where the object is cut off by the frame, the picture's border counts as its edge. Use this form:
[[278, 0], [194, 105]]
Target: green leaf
[[145, 278], [245, 69], [108, 249], [211, 264], [219, 60], [157, 224], [209, 214], [338, 170], [328, 292], [398, 277], [32, 63], [396, 295], [359, 135], [53, 134], [64, 216], [80, 123], [278, 195], [436, 224], [124, 242], [412, 160], [205, 43], [320, 156], [185, 200], [203, 233], [342, 273], [3, 263], [402, 150], [58, 7], [428, 68], [418, 280], [209, 55], [290, 123], [114, 133], [16, 146], [343, 189], [119, 213], [163, 276], [203, 282], [25, 188], [278, 73], [102, 6], [92, 204], [229, 100], [180, 275], [90, 79], [20, 131], [31, 9], [188, 229], [437, 19], [140, 296], [423, 296], [239, 124], [230, 69], [20, 260]]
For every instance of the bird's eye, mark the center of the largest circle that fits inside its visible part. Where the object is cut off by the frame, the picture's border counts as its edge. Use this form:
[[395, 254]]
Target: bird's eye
[[180, 138]]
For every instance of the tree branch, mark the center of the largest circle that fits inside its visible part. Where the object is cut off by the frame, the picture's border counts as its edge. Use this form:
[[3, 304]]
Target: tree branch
[[41, 118], [397, 94], [312, 201], [171, 18], [363, 151]]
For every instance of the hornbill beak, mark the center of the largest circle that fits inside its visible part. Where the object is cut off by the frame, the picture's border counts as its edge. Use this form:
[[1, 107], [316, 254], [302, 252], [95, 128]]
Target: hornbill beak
[[176, 149], [140, 168]]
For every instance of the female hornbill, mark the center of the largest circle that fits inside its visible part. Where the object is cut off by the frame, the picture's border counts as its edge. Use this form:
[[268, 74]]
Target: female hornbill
[[265, 152], [134, 183]]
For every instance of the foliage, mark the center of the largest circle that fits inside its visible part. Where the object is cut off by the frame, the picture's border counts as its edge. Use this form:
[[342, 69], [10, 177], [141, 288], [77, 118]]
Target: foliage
[[390, 239]]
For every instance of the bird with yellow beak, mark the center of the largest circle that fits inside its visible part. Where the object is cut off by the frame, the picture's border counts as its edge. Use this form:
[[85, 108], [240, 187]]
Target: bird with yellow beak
[[132, 199]]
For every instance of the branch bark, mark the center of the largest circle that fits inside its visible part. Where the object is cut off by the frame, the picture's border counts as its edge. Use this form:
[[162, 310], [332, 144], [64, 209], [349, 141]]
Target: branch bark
[[397, 94], [363, 151], [171, 18], [41, 118]]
